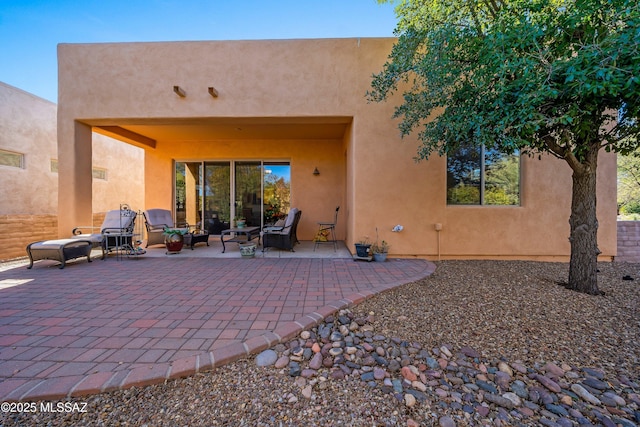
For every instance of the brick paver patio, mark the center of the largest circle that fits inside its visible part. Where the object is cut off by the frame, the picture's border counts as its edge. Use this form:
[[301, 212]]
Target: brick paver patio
[[105, 325]]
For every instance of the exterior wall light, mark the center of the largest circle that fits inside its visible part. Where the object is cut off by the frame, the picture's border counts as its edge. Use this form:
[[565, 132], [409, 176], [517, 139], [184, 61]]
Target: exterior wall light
[[179, 91], [213, 92], [316, 172]]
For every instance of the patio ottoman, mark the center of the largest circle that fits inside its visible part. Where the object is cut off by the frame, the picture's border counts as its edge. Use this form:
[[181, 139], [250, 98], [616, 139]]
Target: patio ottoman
[[198, 236], [60, 250]]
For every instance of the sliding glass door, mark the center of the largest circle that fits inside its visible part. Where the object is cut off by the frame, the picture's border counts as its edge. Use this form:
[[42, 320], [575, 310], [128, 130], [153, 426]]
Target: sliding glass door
[[212, 195]]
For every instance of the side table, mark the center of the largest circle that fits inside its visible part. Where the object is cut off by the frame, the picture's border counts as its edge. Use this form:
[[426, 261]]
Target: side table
[[240, 235], [196, 236]]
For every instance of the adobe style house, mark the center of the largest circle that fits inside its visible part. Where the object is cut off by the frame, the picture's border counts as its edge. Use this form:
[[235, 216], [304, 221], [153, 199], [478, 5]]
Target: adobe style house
[[216, 118], [29, 173]]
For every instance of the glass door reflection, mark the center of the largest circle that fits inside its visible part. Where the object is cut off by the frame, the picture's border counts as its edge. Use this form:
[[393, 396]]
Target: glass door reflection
[[217, 200], [248, 191]]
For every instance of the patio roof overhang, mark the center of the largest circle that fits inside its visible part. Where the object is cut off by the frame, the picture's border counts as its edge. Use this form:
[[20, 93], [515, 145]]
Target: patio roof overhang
[[145, 132]]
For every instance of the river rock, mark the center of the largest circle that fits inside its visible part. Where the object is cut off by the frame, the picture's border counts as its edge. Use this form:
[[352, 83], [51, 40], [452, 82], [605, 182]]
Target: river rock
[[554, 370], [281, 362], [585, 395], [499, 400], [266, 358], [409, 400], [446, 421], [503, 367], [513, 398], [595, 383], [548, 383]]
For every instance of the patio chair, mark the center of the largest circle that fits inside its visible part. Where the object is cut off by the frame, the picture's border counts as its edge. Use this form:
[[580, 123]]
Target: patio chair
[[155, 221], [326, 229], [116, 231], [285, 236]]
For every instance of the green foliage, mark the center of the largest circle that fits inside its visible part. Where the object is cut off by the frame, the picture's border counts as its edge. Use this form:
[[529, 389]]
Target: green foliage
[[629, 184], [277, 196], [539, 76], [464, 195], [631, 207]]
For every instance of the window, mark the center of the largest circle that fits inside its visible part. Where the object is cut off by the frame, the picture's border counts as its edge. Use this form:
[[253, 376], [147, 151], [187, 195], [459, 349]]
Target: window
[[481, 176], [97, 173], [9, 158]]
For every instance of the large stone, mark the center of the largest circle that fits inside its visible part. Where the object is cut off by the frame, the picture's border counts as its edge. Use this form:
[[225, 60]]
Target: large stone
[[513, 398], [548, 383], [499, 400], [266, 358], [554, 370], [596, 383], [504, 367], [409, 400], [486, 386], [584, 394], [307, 392], [294, 369], [446, 421], [281, 362], [379, 373], [470, 352], [502, 380]]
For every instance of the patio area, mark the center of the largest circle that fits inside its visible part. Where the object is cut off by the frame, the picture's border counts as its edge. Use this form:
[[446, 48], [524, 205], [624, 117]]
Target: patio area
[[132, 321]]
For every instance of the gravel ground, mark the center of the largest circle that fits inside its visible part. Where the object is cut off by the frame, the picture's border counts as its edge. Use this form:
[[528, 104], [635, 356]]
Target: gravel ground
[[508, 311]]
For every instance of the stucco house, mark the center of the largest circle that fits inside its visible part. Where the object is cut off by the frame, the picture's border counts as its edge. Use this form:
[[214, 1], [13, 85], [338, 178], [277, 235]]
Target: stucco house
[[29, 166], [217, 118]]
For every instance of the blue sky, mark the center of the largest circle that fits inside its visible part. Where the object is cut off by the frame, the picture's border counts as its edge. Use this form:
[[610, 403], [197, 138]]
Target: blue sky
[[30, 30]]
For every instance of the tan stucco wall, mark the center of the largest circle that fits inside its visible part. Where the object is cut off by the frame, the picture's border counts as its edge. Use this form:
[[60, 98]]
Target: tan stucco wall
[[29, 195], [368, 170]]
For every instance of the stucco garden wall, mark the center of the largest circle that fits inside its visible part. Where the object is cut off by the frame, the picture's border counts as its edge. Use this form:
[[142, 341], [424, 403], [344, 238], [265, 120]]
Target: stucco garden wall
[[368, 169], [29, 195]]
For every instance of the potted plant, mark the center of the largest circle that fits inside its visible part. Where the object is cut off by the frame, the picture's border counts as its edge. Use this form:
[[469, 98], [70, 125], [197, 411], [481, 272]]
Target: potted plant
[[241, 222], [380, 250], [174, 239], [362, 248], [248, 250]]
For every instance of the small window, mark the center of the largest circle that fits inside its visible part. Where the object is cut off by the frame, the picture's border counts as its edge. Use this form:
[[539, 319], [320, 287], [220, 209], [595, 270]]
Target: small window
[[9, 158], [481, 176], [97, 173]]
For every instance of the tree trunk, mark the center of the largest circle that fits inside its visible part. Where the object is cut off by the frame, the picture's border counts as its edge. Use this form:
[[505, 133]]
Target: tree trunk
[[584, 231]]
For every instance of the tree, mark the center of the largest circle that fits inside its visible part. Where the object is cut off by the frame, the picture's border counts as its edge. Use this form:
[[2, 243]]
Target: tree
[[539, 76]]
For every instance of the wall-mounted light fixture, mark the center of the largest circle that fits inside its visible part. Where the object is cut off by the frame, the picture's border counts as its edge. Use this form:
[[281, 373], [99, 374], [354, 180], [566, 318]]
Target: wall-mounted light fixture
[[213, 92], [179, 91], [316, 172], [438, 227]]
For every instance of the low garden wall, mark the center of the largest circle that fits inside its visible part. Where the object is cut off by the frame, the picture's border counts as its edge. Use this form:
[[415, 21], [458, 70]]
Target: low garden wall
[[628, 241], [17, 231]]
